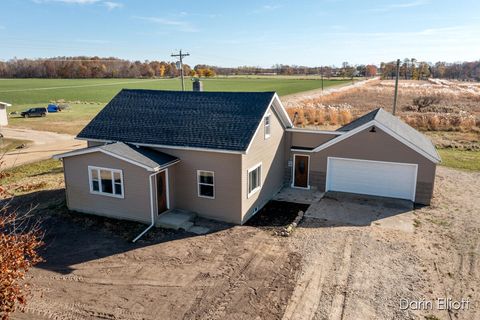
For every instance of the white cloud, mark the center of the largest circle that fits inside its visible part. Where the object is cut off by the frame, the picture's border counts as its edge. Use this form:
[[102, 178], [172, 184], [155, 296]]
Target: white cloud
[[267, 8], [402, 5], [112, 5], [180, 25]]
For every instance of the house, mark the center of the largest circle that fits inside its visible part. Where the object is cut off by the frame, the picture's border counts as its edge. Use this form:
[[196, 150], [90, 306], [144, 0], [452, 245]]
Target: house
[[3, 113], [224, 155]]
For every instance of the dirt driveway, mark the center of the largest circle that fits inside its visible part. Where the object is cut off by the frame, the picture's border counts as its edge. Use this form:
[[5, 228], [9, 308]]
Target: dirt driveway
[[43, 146], [359, 266], [328, 269]]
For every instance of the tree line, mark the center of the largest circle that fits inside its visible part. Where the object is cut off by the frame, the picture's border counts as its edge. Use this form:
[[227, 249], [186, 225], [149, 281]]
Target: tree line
[[96, 67], [412, 69], [88, 67]]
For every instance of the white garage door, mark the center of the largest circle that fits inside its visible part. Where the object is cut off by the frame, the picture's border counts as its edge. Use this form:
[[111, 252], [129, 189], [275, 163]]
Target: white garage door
[[385, 179]]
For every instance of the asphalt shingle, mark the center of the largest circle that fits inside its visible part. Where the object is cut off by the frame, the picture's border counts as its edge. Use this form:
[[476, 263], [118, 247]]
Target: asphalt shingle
[[212, 120], [145, 156]]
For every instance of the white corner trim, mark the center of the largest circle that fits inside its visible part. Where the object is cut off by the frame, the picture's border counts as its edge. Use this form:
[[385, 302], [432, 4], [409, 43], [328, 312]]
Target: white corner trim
[[293, 172], [384, 129], [283, 111], [207, 184], [258, 165]]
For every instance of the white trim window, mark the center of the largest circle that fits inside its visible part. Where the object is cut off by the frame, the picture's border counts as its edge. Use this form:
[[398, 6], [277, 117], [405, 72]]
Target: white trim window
[[267, 125], [106, 181], [206, 184], [254, 179]]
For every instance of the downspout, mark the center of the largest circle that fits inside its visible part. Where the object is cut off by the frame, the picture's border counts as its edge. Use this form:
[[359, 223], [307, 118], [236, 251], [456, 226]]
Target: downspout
[[152, 213]]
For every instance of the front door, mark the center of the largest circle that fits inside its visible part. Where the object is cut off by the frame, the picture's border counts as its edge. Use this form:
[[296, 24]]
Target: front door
[[300, 177], [161, 192]]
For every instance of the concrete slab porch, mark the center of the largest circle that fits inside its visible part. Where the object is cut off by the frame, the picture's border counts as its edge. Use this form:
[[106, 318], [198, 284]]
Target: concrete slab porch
[[176, 219], [361, 210], [180, 219]]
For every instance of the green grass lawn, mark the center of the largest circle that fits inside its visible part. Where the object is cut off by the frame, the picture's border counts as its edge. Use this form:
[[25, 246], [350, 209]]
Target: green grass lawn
[[30, 171], [41, 91], [86, 97], [69, 121], [459, 159]]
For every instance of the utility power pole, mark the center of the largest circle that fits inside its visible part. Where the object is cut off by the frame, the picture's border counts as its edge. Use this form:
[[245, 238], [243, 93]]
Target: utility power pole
[[181, 55], [396, 87], [321, 68]]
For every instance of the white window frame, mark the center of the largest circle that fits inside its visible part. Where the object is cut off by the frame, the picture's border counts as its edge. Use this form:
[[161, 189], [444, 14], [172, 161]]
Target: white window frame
[[250, 193], [112, 171], [206, 184], [269, 126]]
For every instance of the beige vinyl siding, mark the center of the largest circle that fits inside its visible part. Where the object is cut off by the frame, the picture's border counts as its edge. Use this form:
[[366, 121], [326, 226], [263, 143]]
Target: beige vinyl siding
[[378, 146], [227, 203], [309, 139], [136, 202], [271, 153], [94, 143]]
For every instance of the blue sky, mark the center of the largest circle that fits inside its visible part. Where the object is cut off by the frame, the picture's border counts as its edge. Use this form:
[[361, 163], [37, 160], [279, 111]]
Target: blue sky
[[232, 33]]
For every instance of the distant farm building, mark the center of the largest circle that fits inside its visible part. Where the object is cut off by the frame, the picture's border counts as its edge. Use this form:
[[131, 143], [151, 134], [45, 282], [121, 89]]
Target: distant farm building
[[3, 113]]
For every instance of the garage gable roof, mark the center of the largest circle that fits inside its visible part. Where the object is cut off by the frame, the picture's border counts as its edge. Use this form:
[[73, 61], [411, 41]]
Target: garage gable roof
[[391, 125], [149, 159], [216, 121]]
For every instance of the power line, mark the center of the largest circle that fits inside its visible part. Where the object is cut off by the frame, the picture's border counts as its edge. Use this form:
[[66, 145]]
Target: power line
[[181, 55]]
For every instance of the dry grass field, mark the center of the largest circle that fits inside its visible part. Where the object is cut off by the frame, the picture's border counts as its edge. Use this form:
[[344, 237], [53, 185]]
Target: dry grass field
[[449, 112]]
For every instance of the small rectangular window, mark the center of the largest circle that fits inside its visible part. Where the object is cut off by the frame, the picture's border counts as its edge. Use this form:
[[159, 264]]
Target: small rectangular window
[[106, 181], [254, 179], [267, 127], [206, 184]]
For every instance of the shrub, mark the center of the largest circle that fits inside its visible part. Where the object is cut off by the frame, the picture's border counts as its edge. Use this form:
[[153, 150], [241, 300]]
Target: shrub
[[20, 238], [345, 116], [422, 102], [319, 116], [332, 116]]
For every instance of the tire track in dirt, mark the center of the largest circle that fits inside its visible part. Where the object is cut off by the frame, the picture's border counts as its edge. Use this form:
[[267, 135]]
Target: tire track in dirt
[[252, 285], [320, 289], [338, 305]]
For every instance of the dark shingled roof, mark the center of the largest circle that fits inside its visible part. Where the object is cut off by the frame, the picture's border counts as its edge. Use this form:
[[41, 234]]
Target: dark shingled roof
[[397, 126], [144, 156], [212, 120]]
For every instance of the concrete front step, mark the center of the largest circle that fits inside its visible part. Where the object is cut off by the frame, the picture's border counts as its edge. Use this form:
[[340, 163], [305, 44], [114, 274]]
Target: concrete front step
[[176, 219], [199, 230]]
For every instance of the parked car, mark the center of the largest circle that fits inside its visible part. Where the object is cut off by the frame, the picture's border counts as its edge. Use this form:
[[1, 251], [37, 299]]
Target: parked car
[[53, 108], [34, 112]]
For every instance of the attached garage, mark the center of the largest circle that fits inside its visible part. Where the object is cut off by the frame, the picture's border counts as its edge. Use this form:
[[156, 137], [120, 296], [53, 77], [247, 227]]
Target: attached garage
[[379, 178], [377, 154]]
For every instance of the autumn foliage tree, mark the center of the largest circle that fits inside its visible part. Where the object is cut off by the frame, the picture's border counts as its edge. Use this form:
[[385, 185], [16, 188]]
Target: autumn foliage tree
[[20, 239]]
